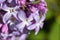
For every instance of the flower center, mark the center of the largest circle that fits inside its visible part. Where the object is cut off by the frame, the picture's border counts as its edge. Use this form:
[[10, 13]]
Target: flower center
[[11, 10], [26, 22]]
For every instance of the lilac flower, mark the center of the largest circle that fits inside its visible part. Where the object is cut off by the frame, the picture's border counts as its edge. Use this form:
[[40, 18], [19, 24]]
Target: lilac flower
[[4, 28], [40, 7], [21, 24], [10, 12], [39, 22], [0, 25], [25, 21]]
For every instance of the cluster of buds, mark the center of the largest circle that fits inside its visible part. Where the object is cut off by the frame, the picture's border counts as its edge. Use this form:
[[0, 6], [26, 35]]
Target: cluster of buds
[[19, 17]]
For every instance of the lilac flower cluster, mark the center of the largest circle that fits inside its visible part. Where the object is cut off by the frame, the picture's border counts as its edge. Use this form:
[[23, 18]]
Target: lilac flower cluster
[[19, 17]]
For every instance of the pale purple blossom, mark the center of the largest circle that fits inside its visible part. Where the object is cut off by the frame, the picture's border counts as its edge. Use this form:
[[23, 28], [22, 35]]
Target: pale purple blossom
[[39, 22], [20, 19], [25, 21], [10, 12]]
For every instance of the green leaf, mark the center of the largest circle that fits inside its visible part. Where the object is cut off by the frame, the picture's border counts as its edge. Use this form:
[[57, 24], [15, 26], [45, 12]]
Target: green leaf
[[39, 36]]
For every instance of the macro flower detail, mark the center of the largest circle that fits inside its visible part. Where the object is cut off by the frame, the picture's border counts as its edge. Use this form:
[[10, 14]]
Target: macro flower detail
[[10, 12], [19, 17]]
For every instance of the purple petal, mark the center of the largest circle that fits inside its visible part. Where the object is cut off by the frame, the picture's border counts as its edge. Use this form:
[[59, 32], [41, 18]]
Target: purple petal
[[21, 2], [21, 15], [30, 18], [15, 14], [0, 25], [41, 25], [31, 27], [23, 37], [2, 1], [37, 30], [42, 18], [20, 26], [5, 29], [6, 17], [13, 38], [5, 7], [33, 9]]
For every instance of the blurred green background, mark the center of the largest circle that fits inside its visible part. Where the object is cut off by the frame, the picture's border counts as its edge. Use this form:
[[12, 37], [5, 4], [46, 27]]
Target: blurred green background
[[51, 29]]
